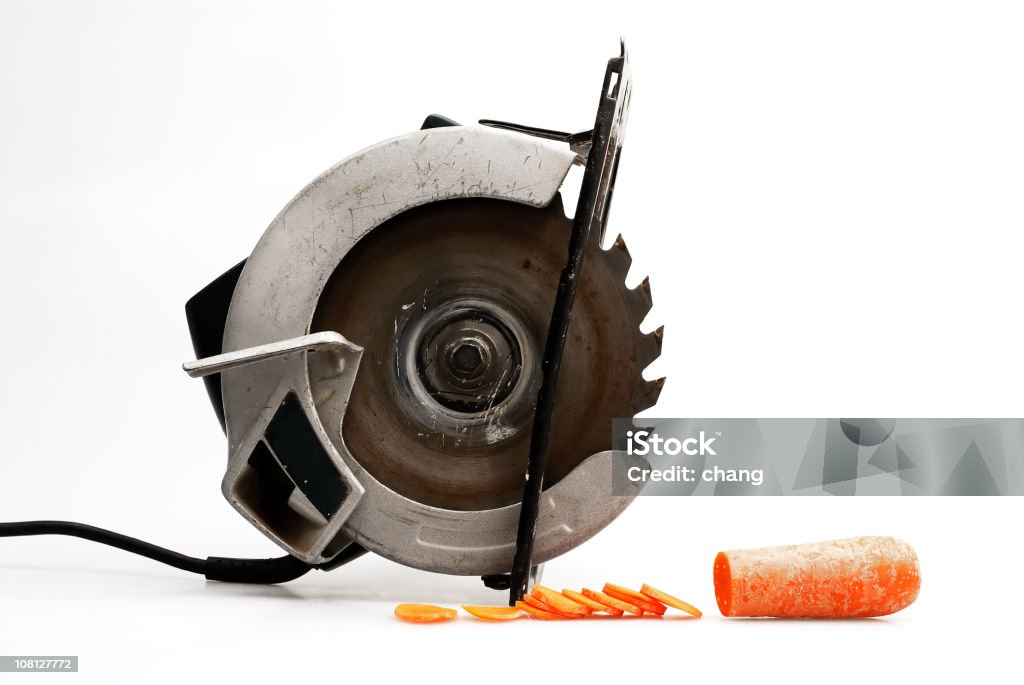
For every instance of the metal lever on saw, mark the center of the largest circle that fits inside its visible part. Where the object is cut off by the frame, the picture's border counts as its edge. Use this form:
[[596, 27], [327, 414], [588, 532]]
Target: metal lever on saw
[[591, 211], [316, 491], [580, 143], [231, 360]]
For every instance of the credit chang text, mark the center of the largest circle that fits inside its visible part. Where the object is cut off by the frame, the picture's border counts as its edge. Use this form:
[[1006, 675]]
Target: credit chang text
[[643, 443]]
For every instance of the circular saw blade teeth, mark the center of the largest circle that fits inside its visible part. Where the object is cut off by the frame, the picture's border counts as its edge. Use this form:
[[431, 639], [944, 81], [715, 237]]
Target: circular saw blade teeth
[[619, 253], [647, 395], [640, 302], [640, 296], [649, 347]]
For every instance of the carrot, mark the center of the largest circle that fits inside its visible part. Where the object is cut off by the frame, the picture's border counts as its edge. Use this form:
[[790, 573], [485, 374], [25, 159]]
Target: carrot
[[561, 603], [674, 602], [493, 613], [613, 602], [544, 606], [854, 577], [424, 613], [649, 605], [587, 602], [534, 612]]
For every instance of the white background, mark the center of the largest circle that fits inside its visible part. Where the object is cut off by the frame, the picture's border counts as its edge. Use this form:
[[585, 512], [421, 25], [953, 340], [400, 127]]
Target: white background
[[828, 199]]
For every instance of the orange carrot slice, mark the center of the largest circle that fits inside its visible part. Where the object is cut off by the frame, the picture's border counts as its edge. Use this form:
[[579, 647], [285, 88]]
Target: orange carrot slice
[[649, 605], [544, 606], [633, 597], [674, 602], [560, 602], [493, 613], [534, 612], [591, 604], [855, 577], [424, 613], [613, 602]]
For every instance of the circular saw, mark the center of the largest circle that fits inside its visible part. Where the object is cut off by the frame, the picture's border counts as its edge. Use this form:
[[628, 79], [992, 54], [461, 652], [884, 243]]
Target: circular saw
[[414, 361]]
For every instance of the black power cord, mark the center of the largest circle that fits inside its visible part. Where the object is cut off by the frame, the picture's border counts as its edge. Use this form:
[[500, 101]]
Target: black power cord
[[225, 569]]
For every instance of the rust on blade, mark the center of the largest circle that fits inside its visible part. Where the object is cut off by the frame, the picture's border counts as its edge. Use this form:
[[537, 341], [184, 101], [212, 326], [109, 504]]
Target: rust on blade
[[647, 394], [649, 347], [508, 256], [641, 300], [618, 258]]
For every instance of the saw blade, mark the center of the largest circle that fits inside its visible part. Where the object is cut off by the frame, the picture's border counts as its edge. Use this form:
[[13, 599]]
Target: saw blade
[[451, 303]]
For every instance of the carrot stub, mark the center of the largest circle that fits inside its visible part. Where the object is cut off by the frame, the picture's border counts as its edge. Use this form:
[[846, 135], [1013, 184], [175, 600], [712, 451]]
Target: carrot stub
[[674, 602], [651, 606], [854, 577], [424, 613], [493, 613], [534, 612], [587, 602], [613, 602]]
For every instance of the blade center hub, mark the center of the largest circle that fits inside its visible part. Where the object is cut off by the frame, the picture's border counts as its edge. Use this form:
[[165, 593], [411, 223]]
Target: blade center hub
[[468, 361]]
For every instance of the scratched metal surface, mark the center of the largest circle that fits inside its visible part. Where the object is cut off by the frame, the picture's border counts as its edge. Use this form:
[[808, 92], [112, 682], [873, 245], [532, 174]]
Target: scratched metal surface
[[276, 298]]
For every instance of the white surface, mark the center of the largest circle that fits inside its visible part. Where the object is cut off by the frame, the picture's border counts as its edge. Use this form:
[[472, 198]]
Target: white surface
[[827, 200]]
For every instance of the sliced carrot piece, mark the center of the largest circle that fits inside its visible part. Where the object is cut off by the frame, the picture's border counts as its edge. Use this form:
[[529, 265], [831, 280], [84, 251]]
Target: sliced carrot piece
[[674, 602], [424, 613], [612, 602], [493, 613], [641, 600], [544, 606], [560, 602], [649, 605], [591, 604], [534, 612]]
